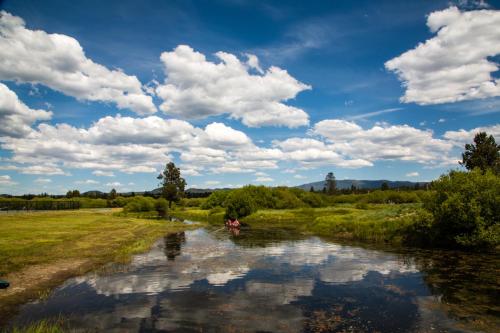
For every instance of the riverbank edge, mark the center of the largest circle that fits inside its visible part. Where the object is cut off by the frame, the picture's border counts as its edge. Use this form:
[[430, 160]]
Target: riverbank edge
[[375, 223], [36, 282]]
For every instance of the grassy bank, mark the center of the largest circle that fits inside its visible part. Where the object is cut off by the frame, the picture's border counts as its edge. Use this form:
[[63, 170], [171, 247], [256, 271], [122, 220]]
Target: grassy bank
[[372, 223], [213, 216], [369, 222], [38, 250]]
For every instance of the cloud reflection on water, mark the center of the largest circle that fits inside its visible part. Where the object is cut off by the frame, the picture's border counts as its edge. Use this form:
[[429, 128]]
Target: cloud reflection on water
[[196, 281]]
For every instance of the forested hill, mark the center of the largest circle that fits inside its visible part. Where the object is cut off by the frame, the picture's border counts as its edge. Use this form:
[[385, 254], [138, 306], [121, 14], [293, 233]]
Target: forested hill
[[361, 184]]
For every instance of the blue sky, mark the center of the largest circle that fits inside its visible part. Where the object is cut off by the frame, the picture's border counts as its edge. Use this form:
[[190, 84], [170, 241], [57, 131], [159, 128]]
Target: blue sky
[[100, 95]]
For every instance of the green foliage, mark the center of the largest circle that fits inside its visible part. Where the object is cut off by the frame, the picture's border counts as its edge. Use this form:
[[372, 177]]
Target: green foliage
[[240, 203], [161, 207], [192, 202], [262, 196], [312, 199], [330, 183], [112, 194], [173, 184], [282, 198], [140, 204], [44, 326], [465, 209], [73, 194], [118, 202], [91, 203], [484, 153], [381, 197], [216, 199]]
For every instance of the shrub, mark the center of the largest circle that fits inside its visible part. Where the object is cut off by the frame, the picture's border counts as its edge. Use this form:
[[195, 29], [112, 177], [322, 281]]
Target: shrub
[[140, 204], [161, 207], [118, 202], [465, 209], [239, 204], [192, 202], [216, 199], [91, 203], [312, 199], [283, 198]]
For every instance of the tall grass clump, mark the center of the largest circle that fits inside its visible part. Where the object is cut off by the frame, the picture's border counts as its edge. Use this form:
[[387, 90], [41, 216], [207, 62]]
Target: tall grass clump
[[140, 204]]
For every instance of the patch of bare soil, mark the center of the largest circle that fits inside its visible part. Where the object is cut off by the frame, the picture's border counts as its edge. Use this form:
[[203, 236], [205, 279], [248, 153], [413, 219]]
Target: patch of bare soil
[[35, 282]]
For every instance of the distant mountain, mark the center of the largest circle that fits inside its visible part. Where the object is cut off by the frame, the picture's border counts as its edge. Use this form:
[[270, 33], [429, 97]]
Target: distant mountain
[[361, 184], [96, 194], [157, 191]]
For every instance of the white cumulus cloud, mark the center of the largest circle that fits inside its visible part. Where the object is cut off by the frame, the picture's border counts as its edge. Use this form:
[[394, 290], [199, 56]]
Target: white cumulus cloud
[[6, 180], [412, 174], [59, 62], [382, 142], [198, 88], [43, 180], [461, 137], [16, 117], [455, 64]]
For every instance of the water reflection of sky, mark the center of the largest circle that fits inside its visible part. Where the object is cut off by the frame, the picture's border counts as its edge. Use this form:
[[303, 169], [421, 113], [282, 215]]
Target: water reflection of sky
[[194, 281]]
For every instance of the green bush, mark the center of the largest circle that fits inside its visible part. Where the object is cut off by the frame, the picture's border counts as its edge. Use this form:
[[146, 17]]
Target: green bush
[[118, 201], [465, 209], [312, 199], [192, 202], [282, 198], [239, 204], [91, 203], [216, 199], [140, 204], [161, 206]]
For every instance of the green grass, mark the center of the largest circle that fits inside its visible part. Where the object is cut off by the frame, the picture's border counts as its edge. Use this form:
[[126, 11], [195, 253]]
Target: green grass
[[44, 326], [39, 250], [99, 236], [212, 216], [379, 223], [373, 223]]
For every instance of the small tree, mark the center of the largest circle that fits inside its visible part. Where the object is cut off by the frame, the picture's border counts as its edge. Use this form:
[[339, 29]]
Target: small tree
[[311, 189], [172, 183], [161, 206], [484, 153], [72, 194], [112, 194], [330, 183], [384, 186]]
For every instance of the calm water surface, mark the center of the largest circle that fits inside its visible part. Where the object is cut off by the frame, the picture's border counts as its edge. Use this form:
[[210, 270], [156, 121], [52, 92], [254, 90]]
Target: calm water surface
[[262, 281]]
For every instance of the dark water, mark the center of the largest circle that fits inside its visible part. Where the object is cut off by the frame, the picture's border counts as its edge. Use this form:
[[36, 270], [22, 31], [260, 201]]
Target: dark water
[[262, 281]]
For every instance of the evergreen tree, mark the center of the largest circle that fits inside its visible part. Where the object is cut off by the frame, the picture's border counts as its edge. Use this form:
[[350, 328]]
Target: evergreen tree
[[330, 183], [484, 153], [172, 184]]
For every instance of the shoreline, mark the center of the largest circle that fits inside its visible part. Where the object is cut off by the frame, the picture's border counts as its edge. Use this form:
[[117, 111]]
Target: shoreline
[[102, 239]]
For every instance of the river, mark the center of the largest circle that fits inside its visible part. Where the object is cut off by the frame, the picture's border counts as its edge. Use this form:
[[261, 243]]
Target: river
[[210, 280]]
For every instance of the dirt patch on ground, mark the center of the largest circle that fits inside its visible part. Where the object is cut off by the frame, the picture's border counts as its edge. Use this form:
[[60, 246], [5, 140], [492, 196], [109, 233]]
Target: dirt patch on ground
[[35, 281]]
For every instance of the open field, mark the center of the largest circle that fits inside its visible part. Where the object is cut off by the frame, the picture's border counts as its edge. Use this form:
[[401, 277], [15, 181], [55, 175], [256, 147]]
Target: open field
[[371, 223], [38, 250]]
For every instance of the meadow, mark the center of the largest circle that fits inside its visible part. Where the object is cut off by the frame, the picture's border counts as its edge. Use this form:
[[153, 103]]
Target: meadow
[[39, 250]]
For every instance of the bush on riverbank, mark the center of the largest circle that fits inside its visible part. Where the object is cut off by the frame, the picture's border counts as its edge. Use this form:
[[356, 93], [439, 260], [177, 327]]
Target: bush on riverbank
[[140, 204], [463, 210]]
